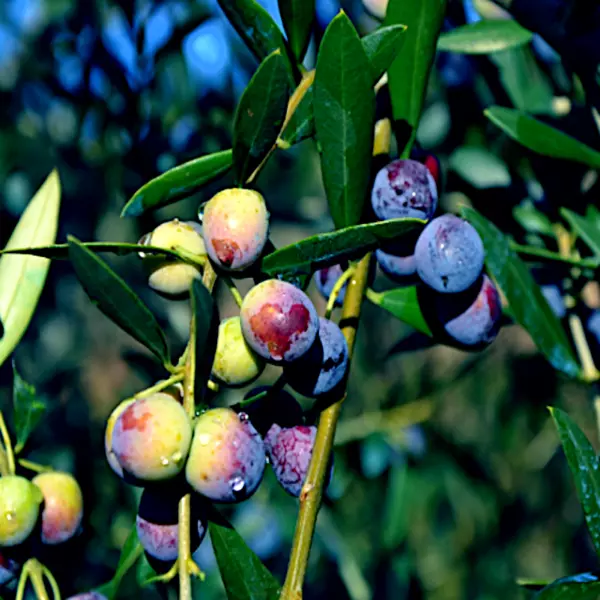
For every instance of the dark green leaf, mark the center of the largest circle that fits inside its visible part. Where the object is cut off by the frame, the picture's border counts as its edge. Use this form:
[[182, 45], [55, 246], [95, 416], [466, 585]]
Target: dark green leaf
[[28, 409], [541, 138], [256, 28], [259, 115], [132, 550], [484, 37], [297, 17], [585, 586], [177, 183], [326, 249], [205, 325], [585, 468], [61, 251], [381, 47], [145, 573], [301, 125], [586, 228], [116, 299], [527, 303], [532, 584], [409, 73], [244, 575], [403, 303], [344, 111]]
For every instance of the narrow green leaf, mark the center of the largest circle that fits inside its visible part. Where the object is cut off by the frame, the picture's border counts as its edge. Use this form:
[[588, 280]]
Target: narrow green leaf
[[409, 73], [381, 47], [28, 409], [586, 228], [585, 468], [205, 326], [130, 553], [395, 518], [61, 251], [484, 37], [256, 28], [543, 255], [145, 573], [527, 303], [117, 300], [344, 111], [177, 183], [244, 575], [585, 586], [403, 303], [326, 249], [259, 115], [532, 584], [541, 138], [22, 278], [297, 17]]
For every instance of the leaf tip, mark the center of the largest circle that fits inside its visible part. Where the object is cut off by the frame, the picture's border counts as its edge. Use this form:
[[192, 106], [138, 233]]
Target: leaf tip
[[133, 208]]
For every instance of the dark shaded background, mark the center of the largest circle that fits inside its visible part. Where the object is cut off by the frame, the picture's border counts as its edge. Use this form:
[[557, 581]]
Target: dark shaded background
[[457, 506]]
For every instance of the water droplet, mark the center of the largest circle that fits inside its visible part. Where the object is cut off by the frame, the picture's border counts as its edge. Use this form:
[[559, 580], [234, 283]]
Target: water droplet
[[243, 417], [237, 485], [204, 439], [235, 443], [10, 515], [177, 457], [164, 461]]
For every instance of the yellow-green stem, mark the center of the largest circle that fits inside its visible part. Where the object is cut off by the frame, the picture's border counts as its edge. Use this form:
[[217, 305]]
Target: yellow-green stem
[[33, 466], [52, 581], [161, 385], [233, 290], [8, 449], [209, 278], [312, 491], [337, 288]]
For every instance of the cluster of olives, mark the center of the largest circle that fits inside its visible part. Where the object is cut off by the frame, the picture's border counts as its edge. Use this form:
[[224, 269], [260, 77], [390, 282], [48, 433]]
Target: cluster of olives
[[445, 258], [221, 453], [47, 509]]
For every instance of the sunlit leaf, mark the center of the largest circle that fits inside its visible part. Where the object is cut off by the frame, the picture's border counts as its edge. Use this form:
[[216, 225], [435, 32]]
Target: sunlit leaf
[[177, 183], [541, 138], [28, 409], [344, 112], [403, 303], [484, 37], [585, 469], [22, 277], [259, 115], [326, 249], [117, 300], [244, 575], [527, 304]]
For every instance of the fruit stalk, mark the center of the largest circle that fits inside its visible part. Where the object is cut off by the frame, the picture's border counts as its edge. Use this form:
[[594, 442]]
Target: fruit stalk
[[209, 279], [312, 491]]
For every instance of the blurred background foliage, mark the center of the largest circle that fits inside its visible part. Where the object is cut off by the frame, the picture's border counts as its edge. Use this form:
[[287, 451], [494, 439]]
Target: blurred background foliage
[[448, 481]]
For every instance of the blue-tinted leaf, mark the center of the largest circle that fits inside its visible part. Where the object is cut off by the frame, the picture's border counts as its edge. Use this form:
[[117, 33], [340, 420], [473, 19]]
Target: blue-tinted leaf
[[28, 409], [344, 111], [585, 468], [177, 183], [527, 304], [585, 586], [117, 300]]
